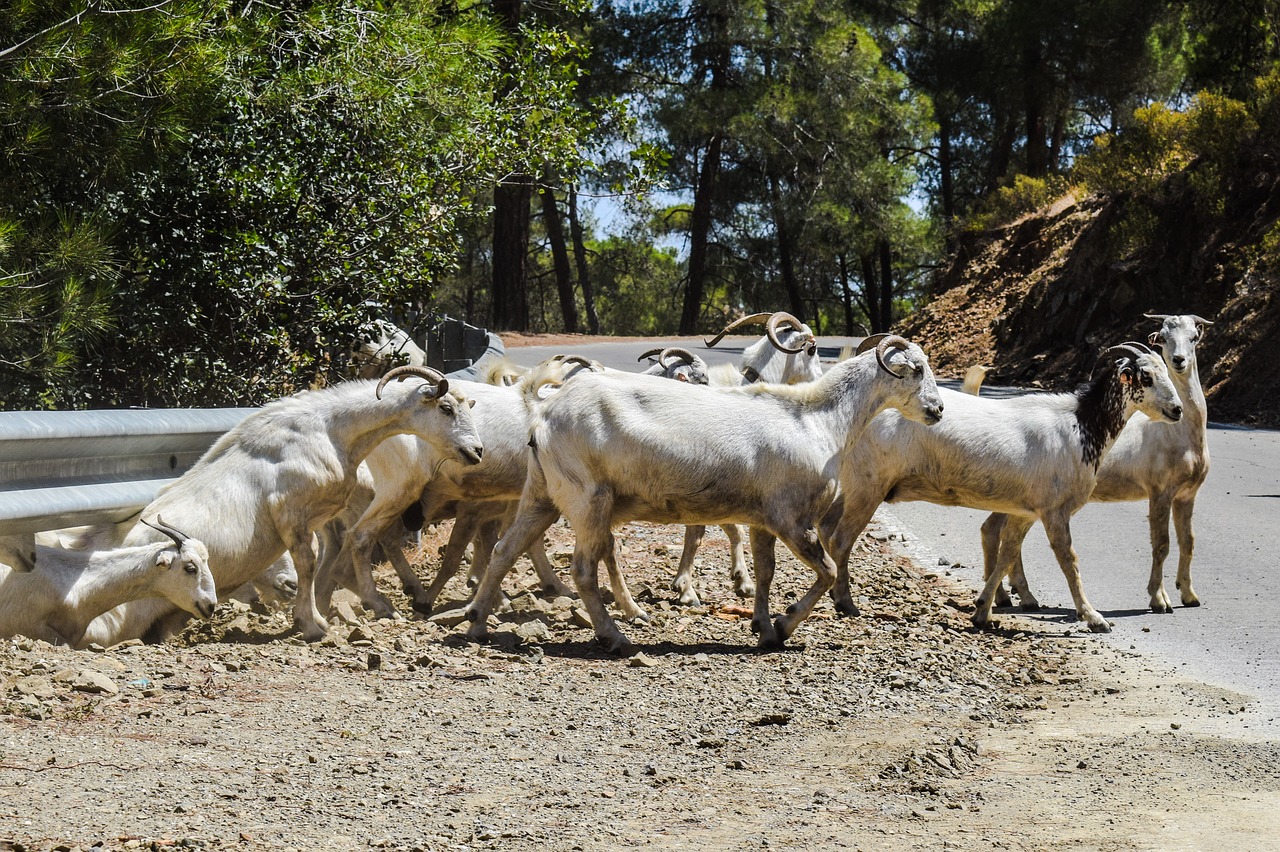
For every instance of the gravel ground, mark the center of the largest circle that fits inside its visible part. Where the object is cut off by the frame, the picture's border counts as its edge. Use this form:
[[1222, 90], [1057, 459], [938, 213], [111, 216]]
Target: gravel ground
[[899, 729]]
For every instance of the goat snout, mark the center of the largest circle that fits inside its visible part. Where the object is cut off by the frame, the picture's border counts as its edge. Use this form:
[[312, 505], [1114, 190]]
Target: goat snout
[[1179, 363], [289, 587], [1174, 413], [472, 455], [933, 413], [206, 608]]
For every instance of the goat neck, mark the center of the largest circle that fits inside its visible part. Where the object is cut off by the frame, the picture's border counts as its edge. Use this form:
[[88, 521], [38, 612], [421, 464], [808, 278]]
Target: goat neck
[[104, 583], [1101, 411]]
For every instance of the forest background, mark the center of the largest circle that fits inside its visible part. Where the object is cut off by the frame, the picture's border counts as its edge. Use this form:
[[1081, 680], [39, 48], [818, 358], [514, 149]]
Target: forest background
[[202, 203]]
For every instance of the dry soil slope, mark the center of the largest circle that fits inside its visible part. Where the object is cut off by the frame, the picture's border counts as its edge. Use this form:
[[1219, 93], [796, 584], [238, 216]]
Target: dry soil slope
[[1037, 298]]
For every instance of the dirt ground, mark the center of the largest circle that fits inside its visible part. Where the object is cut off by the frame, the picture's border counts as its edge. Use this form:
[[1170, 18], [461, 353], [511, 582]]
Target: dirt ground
[[900, 729]]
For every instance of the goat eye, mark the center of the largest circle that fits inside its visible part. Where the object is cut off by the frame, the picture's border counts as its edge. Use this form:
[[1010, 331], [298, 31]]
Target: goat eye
[[189, 568], [1147, 381], [446, 410]]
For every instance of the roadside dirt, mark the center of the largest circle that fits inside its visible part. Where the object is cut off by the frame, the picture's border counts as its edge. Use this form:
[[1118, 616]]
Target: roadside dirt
[[900, 729]]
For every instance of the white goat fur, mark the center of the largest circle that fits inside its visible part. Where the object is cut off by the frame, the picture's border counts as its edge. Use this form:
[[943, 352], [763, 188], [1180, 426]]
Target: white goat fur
[[1163, 463], [275, 479], [769, 364], [608, 448], [67, 589], [405, 469], [1031, 457]]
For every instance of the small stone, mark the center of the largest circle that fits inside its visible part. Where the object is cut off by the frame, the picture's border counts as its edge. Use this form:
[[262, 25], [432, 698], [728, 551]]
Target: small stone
[[449, 618], [374, 661], [1177, 726], [345, 612], [95, 683], [534, 630], [642, 661], [580, 617], [35, 685]]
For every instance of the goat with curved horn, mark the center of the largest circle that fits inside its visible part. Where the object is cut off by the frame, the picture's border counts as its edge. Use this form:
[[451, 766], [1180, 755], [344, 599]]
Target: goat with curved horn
[[159, 525], [751, 319], [771, 330], [882, 342], [430, 375]]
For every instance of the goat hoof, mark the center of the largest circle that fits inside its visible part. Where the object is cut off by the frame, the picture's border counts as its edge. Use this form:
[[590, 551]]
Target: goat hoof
[[424, 607], [1099, 627], [1192, 602], [745, 592], [847, 608], [616, 645], [1031, 606], [769, 641]]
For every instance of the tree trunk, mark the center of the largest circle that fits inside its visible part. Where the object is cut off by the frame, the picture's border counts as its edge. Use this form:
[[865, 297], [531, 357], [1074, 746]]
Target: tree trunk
[[846, 294], [786, 262], [560, 260], [510, 219], [947, 182], [1033, 89], [580, 260], [700, 235], [886, 286], [708, 176], [871, 292], [510, 255]]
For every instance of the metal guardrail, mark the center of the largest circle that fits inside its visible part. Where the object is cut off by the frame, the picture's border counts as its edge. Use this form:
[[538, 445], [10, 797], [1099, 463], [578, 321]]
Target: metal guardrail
[[67, 468]]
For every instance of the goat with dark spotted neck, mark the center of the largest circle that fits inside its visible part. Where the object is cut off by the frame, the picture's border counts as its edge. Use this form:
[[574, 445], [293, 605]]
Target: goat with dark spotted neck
[[1033, 457], [1161, 463]]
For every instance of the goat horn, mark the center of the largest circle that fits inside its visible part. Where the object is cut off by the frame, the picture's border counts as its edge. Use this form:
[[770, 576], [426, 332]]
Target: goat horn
[[882, 343], [160, 526], [1141, 347], [650, 354], [1121, 349], [771, 329], [1200, 320], [677, 352], [747, 320], [578, 359], [1158, 317], [427, 373]]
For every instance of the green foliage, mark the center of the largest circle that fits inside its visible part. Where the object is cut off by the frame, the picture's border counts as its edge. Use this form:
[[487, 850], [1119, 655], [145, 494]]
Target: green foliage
[[237, 187], [1023, 196]]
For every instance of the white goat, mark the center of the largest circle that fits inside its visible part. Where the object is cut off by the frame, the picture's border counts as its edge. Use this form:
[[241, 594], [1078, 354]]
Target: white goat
[[608, 448], [1162, 463], [67, 589], [676, 363], [382, 346], [786, 354], [274, 587], [406, 469], [275, 479], [1031, 457]]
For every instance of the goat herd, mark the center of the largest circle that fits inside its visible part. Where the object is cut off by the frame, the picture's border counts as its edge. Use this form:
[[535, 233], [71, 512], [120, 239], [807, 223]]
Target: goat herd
[[308, 485]]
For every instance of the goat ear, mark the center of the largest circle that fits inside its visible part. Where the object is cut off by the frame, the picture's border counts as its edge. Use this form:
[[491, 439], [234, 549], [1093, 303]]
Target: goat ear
[[165, 558], [1124, 369], [1154, 338], [681, 377], [471, 403]]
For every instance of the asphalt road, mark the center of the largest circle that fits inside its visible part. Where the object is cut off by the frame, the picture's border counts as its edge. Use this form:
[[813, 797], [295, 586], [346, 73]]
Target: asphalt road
[[1232, 640]]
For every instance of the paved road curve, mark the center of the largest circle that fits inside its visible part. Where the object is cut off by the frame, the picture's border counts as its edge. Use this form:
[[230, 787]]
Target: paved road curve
[[1232, 640]]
